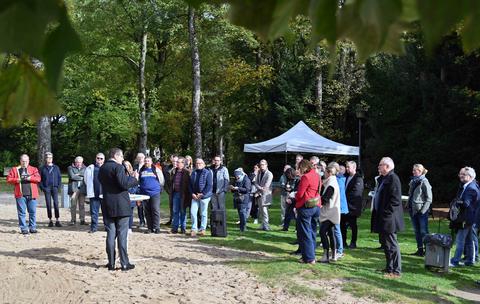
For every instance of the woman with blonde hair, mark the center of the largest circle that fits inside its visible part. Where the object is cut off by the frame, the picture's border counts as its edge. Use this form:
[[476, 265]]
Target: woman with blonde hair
[[129, 170], [329, 213], [419, 201]]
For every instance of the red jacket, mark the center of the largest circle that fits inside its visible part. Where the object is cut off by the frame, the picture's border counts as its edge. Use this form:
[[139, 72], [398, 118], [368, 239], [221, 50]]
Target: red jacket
[[308, 188], [14, 178]]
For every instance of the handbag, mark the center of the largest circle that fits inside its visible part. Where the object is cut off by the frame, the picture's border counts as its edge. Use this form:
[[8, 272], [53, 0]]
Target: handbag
[[312, 202]]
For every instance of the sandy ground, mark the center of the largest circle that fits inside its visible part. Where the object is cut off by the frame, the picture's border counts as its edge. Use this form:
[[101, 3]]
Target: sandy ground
[[65, 265]]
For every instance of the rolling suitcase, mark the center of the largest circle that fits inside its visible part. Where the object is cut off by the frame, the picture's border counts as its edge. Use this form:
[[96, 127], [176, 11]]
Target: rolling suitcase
[[218, 220]]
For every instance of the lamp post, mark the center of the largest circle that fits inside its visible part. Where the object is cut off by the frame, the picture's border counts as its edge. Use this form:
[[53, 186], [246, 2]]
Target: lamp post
[[361, 114]]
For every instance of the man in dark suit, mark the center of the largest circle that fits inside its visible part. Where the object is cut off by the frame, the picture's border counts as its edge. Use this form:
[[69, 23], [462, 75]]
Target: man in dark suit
[[468, 194], [116, 206], [388, 215], [354, 194]]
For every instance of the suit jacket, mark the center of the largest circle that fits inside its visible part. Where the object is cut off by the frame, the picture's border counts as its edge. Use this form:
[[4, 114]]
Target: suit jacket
[[115, 184], [388, 217], [469, 197], [266, 184], [354, 193]]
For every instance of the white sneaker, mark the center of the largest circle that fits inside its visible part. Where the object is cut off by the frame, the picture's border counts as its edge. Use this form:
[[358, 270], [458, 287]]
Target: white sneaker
[[339, 256], [130, 231], [255, 221]]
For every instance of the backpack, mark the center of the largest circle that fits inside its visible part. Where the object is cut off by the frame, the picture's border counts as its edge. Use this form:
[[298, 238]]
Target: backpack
[[457, 213]]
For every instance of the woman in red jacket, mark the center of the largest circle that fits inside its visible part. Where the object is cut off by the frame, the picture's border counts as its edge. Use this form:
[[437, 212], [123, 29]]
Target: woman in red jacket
[[308, 188]]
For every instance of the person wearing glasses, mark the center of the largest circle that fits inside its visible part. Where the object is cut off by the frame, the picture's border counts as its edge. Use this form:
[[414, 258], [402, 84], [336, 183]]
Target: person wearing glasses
[[116, 206], [94, 190], [77, 190], [388, 216], [51, 182]]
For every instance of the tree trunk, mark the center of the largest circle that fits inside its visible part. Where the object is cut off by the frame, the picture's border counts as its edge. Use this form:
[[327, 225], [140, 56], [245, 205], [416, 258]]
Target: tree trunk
[[142, 93], [44, 127], [197, 126], [319, 85], [220, 137], [44, 141]]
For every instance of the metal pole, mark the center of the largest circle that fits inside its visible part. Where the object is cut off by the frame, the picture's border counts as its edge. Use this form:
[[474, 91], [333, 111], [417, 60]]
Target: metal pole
[[285, 157], [360, 143]]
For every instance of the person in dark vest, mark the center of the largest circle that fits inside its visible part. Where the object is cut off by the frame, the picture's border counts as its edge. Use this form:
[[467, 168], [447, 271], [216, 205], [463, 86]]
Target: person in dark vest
[[180, 195], [94, 190], [167, 174], [388, 216], [51, 182], [25, 179], [116, 205], [354, 193]]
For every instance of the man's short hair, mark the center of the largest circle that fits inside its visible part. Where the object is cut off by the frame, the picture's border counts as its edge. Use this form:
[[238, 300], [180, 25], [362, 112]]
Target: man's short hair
[[470, 171], [388, 161], [78, 159], [334, 164], [322, 163], [26, 155], [115, 151], [48, 154], [351, 163], [314, 160], [264, 160]]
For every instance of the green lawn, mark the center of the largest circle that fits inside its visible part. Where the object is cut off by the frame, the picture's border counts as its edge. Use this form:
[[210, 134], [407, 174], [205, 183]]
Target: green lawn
[[359, 268]]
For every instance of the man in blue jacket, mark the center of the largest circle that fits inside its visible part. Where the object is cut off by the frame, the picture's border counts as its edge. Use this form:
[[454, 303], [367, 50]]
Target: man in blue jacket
[[467, 194], [201, 188], [51, 181]]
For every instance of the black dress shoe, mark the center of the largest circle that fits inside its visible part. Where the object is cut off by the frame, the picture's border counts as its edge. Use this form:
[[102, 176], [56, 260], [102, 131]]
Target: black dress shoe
[[110, 267], [128, 267], [57, 224], [83, 223], [50, 224], [25, 232], [156, 231], [33, 231], [352, 246]]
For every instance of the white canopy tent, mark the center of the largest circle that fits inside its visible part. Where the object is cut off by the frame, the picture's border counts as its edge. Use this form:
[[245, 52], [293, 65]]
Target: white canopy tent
[[300, 138]]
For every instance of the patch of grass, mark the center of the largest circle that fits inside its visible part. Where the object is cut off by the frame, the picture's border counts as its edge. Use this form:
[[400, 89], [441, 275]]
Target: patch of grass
[[360, 266]]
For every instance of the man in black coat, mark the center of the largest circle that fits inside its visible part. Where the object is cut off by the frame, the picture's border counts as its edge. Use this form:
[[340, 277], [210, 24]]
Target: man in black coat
[[388, 215], [354, 193], [116, 206]]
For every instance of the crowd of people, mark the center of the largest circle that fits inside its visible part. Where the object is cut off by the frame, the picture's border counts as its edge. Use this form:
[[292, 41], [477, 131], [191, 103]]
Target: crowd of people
[[321, 198]]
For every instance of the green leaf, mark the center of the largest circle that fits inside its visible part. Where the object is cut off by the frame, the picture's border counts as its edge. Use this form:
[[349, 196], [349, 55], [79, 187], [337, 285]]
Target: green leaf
[[23, 24], [59, 42], [283, 12], [323, 17], [254, 15], [24, 94], [439, 17]]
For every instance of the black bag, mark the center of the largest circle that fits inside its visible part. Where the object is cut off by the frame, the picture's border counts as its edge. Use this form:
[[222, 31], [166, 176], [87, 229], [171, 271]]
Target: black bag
[[218, 225], [457, 213]]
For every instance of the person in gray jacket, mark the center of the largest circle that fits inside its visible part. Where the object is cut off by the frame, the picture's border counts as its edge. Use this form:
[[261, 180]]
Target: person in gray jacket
[[419, 201], [263, 196], [77, 190], [221, 183]]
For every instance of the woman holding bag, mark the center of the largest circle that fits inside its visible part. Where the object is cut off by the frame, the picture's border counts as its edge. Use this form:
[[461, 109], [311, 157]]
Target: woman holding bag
[[307, 204]]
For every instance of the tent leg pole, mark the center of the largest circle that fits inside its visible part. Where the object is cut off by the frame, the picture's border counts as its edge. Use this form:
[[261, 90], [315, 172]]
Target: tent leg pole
[[285, 157]]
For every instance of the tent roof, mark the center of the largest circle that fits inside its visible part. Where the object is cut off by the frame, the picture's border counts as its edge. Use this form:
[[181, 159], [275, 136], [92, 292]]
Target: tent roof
[[300, 138]]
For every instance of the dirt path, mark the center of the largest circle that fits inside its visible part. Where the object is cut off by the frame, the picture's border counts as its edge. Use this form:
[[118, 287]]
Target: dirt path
[[64, 265]]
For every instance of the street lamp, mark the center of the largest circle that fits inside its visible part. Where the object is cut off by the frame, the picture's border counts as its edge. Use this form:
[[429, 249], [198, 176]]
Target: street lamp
[[361, 113]]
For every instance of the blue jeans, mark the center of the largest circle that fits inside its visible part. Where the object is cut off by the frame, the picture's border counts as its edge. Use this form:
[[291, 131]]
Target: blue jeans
[[307, 231], [420, 226], [464, 241], [179, 214], [94, 211], [203, 204], [242, 215], [338, 238], [25, 204]]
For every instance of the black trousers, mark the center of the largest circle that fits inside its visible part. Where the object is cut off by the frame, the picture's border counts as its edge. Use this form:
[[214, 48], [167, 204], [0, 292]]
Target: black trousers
[[346, 221], [51, 192], [152, 212], [392, 252], [117, 229], [327, 235]]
